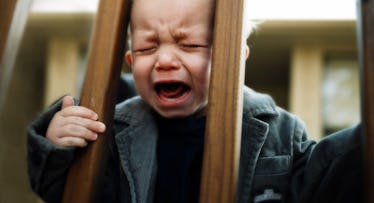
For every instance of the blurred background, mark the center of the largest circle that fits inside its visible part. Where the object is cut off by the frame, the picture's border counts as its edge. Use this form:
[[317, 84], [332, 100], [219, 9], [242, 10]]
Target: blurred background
[[303, 53]]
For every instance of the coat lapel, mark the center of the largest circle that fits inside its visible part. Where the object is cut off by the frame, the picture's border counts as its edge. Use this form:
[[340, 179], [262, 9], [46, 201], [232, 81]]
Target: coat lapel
[[254, 134], [136, 143]]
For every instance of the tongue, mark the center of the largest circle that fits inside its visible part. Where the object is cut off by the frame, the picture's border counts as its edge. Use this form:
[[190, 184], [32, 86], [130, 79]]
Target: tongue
[[173, 90]]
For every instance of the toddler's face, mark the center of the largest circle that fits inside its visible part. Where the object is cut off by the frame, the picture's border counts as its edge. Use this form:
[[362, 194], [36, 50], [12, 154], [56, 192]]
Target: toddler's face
[[171, 52]]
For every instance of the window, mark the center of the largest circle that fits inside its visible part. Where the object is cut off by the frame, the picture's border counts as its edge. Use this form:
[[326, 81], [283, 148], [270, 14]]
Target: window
[[340, 93]]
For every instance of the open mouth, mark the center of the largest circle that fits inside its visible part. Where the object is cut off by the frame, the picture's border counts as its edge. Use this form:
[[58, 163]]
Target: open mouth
[[171, 90]]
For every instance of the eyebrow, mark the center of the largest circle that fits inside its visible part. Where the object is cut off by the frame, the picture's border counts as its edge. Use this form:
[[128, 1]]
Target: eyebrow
[[183, 33], [150, 35], [179, 34]]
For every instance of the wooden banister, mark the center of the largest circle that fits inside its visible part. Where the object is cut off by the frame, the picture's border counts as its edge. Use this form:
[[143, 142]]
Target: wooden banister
[[224, 117], [99, 93], [366, 59]]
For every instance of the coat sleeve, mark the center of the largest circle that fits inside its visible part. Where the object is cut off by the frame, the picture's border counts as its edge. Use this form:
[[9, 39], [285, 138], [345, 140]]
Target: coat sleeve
[[47, 163], [334, 172]]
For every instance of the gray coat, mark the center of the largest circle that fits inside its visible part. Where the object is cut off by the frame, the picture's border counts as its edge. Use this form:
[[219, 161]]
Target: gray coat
[[274, 151]]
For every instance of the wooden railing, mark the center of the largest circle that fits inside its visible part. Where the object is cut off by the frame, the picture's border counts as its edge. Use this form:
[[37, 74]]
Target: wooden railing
[[99, 93], [224, 117], [365, 30]]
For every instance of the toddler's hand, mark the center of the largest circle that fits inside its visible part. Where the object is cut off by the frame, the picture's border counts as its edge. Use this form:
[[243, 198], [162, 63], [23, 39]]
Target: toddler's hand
[[74, 126]]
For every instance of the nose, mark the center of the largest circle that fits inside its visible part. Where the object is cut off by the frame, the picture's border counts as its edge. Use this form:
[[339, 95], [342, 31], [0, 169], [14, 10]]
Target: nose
[[166, 59]]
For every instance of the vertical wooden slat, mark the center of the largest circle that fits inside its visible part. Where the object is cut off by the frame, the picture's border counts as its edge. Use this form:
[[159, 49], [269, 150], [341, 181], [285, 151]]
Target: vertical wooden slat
[[366, 57], [223, 130], [98, 93], [13, 17]]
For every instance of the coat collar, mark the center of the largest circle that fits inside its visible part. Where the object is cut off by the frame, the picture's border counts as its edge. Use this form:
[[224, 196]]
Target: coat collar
[[258, 105]]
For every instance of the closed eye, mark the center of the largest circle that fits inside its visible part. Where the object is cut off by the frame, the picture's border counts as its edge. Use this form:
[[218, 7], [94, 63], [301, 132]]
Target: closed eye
[[144, 50], [192, 47]]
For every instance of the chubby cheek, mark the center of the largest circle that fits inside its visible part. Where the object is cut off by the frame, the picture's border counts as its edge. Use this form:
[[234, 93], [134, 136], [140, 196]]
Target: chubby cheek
[[141, 72], [201, 79]]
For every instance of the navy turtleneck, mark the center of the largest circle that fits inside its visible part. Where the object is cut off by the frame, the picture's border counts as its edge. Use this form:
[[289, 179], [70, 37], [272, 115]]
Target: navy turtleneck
[[179, 157]]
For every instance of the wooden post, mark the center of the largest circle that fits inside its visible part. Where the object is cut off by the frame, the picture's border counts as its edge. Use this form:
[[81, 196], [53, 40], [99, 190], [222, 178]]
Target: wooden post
[[98, 93], [13, 17], [366, 57], [223, 130]]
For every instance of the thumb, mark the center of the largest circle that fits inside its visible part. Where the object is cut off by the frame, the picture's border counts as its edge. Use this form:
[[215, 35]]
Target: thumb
[[67, 101]]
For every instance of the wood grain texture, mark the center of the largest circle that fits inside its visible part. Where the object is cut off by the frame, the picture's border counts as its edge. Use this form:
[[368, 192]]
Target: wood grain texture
[[98, 93], [366, 58], [224, 117]]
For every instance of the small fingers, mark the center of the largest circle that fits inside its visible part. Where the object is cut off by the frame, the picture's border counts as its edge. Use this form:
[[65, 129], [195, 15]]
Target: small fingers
[[79, 111], [74, 126], [72, 136], [72, 130], [72, 142], [95, 126]]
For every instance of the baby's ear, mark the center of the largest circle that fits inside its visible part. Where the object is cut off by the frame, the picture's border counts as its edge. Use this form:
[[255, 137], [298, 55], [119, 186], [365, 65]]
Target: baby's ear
[[128, 56], [247, 51]]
